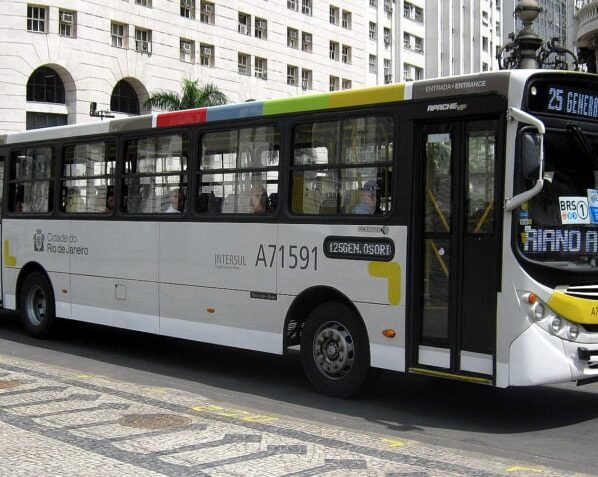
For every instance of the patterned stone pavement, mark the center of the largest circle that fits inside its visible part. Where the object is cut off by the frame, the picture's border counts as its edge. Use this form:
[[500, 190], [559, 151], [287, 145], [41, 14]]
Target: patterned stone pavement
[[59, 422]]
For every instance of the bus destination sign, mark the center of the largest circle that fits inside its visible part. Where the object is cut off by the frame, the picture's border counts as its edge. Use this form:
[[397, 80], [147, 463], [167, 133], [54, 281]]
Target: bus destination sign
[[563, 99], [359, 248]]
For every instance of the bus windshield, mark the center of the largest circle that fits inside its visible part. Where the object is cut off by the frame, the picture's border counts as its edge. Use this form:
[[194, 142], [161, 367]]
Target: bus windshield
[[559, 226]]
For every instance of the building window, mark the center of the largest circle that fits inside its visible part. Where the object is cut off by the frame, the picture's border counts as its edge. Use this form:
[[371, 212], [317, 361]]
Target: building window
[[484, 66], [261, 28], [334, 15], [485, 43], [306, 7], [206, 55], [45, 86], [347, 83], [293, 5], [306, 79], [207, 13], [388, 7], [188, 8], [66, 23], [387, 37], [374, 3], [306, 42], [373, 63], [387, 71], [334, 83], [346, 54], [346, 20], [419, 73], [406, 41], [292, 38], [143, 40], [119, 33], [37, 18], [334, 51], [292, 75], [373, 31], [144, 3], [419, 44], [412, 12], [485, 18], [124, 98], [244, 64], [244, 24], [260, 68], [187, 50], [35, 120]]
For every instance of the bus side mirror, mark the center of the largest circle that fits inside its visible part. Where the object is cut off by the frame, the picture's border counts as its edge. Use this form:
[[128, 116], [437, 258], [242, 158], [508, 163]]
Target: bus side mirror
[[531, 155]]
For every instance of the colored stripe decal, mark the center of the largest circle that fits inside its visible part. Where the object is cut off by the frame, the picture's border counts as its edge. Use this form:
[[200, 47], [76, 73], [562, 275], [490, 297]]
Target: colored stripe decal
[[381, 94], [179, 118], [575, 309], [296, 103], [236, 111]]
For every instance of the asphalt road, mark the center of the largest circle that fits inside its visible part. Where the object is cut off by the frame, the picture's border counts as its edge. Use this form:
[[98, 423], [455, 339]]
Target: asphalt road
[[555, 426]]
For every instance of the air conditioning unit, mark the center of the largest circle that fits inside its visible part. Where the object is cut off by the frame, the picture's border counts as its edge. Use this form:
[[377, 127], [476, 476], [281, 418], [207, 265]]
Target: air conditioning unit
[[206, 51], [293, 35], [66, 17], [304, 84], [261, 24], [186, 47], [243, 29], [207, 9], [143, 46], [307, 10]]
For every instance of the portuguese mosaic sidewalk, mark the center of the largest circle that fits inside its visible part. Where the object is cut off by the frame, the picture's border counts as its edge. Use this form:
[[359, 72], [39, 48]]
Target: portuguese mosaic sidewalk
[[60, 422]]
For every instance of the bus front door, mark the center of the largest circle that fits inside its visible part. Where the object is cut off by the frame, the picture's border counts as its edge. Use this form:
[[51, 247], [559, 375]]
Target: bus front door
[[457, 246]]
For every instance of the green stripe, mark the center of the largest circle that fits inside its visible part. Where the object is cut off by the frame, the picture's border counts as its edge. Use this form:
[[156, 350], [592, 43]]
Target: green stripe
[[296, 103]]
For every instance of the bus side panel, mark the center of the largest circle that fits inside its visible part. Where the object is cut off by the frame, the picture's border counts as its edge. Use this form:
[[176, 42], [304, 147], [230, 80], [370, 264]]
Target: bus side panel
[[45, 243], [115, 274], [218, 284], [376, 287]]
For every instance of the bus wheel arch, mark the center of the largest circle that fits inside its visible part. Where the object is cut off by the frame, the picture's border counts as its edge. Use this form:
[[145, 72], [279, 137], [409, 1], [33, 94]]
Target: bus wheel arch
[[35, 300]]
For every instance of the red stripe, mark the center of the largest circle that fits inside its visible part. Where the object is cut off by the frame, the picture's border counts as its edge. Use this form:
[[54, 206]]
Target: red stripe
[[178, 118]]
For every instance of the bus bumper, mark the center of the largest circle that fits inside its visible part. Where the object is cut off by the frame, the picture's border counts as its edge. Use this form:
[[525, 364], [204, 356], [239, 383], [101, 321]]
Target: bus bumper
[[537, 357]]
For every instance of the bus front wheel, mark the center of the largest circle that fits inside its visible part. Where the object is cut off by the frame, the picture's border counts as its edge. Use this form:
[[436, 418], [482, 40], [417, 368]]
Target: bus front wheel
[[335, 350], [37, 305]]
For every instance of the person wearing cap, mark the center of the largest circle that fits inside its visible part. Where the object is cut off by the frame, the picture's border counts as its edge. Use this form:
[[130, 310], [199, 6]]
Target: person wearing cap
[[367, 199]]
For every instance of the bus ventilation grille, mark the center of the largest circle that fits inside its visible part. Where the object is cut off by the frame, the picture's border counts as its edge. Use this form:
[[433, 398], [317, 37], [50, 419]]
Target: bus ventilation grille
[[589, 292]]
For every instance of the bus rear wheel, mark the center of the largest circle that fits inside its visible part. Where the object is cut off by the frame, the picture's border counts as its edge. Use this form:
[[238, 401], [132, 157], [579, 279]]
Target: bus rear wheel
[[37, 305], [335, 350]]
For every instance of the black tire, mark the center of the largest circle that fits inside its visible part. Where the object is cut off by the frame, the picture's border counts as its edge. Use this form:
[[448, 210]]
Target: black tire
[[36, 302], [334, 350]]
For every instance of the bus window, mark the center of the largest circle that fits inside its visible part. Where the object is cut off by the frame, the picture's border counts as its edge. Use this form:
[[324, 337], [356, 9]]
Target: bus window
[[87, 180], [354, 178], [239, 171], [30, 184], [155, 174]]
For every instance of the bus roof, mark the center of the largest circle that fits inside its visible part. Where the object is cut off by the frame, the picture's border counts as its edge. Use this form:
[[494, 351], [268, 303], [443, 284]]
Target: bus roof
[[423, 89]]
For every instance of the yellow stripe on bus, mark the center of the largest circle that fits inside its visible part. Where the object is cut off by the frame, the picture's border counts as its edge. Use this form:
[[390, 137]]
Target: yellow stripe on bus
[[9, 260], [575, 309], [392, 272]]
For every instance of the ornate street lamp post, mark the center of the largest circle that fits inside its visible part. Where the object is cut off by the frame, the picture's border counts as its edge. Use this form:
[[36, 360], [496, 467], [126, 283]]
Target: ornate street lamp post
[[526, 50], [529, 42]]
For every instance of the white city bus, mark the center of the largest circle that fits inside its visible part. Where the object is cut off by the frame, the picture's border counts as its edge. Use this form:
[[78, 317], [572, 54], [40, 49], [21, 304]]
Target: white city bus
[[444, 227]]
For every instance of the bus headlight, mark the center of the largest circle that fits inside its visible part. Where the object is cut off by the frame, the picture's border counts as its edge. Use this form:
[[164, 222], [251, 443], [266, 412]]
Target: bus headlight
[[541, 314]]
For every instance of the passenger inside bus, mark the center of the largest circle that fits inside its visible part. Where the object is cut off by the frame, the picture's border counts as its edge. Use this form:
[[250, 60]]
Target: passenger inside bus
[[257, 200], [109, 199], [368, 199], [176, 198]]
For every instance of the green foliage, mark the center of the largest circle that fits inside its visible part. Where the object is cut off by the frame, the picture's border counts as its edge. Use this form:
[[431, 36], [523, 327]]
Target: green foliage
[[193, 96]]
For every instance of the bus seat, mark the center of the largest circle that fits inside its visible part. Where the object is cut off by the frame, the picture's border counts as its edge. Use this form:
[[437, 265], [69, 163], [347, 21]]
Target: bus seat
[[273, 202]]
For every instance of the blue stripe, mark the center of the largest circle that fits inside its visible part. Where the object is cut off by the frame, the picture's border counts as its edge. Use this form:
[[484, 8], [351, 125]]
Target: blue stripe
[[235, 111]]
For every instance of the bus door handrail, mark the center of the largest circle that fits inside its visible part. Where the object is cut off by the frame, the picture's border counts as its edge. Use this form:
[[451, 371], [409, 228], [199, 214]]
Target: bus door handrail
[[513, 202]]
